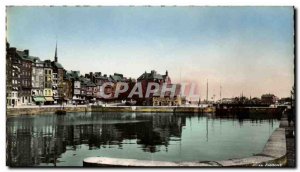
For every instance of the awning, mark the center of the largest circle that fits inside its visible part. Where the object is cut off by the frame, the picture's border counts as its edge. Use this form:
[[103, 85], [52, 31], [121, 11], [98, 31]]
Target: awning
[[39, 99], [49, 99]]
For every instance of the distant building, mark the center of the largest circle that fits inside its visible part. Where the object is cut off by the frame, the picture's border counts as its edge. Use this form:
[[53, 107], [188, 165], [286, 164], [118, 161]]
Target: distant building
[[268, 99], [108, 89], [156, 100], [89, 89], [227, 100], [99, 80], [117, 78], [73, 76], [285, 100], [255, 100]]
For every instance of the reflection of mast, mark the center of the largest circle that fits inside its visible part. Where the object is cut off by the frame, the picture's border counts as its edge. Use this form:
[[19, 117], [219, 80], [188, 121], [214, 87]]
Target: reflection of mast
[[180, 147], [207, 128]]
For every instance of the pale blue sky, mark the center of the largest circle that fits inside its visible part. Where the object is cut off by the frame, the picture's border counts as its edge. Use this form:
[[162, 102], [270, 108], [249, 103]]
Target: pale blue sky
[[246, 49]]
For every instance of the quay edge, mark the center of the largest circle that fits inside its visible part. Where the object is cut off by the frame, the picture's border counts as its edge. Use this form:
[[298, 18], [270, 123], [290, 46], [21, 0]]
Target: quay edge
[[153, 109]]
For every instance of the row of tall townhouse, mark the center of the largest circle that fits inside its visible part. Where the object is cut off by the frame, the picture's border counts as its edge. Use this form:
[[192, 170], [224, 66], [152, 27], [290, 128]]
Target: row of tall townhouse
[[31, 81]]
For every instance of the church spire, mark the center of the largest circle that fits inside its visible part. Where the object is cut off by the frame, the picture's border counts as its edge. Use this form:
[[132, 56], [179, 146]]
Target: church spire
[[55, 56]]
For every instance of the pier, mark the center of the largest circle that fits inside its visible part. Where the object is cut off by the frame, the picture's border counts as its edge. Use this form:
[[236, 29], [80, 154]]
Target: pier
[[248, 110]]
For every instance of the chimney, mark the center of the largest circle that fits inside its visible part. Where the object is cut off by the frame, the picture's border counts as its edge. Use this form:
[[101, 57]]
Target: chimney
[[166, 73], [26, 52], [91, 76], [55, 55], [7, 45]]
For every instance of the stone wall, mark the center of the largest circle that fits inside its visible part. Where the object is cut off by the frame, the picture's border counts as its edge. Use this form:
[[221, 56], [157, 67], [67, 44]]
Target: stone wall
[[44, 109], [49, 109]]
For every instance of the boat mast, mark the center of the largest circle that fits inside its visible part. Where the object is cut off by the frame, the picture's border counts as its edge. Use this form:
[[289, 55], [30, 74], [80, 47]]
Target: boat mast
[[220, 93], [207, 91]]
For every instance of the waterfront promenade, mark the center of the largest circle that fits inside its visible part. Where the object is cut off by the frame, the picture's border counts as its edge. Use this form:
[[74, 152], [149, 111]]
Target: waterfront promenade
[[44, 106], [290, 140], [30, 110]]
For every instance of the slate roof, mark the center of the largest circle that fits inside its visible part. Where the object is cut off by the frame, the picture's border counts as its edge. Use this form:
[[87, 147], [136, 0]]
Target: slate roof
[[22, 55], [101, 77], [151, 76], [57, 65], [117, 78], [86, 82], [72, 75], [33, 59], [112, 78]]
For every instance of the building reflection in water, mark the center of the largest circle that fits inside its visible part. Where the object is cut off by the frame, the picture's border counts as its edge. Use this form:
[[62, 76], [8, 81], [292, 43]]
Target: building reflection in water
[[32, 140]]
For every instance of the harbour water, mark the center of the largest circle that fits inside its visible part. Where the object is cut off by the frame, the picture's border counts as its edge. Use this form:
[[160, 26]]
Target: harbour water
[[52, 140]]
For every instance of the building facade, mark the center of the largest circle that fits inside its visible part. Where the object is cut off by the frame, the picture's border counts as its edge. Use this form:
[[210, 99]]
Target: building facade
[[153, 77], [37, 91], [48, 94], [25, 77], [67, 89], [268, 99], [58, 79], [13, 76]]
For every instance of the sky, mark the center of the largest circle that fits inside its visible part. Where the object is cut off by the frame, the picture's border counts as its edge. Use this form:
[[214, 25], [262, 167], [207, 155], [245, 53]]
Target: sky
[[245, 50]]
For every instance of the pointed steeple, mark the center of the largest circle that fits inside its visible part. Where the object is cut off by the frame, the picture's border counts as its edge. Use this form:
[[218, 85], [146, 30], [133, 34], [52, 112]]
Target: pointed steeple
[[55, 56]]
